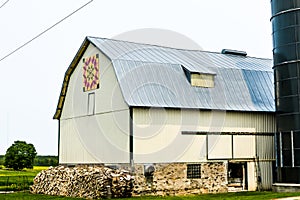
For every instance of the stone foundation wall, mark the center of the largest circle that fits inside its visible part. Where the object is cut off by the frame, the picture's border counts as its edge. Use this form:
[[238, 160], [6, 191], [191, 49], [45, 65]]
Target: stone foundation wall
[[171, 179]]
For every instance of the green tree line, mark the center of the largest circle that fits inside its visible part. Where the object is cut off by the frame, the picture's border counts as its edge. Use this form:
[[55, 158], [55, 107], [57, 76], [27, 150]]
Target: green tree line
[[39, 160]]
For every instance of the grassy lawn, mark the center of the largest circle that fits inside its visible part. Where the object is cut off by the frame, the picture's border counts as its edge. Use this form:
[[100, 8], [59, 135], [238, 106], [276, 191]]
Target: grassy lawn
[[225, 196], [18, 180]]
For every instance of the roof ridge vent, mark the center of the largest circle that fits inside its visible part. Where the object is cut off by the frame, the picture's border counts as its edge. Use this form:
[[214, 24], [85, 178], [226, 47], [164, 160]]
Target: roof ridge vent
[[234, 52]]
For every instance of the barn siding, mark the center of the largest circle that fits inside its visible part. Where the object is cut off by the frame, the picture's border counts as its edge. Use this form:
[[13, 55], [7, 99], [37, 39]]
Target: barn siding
[[265, 149], [73, 150], [101, 136], [95, 139], [266, 175], [108, 97], [157, 132], [243, 146]]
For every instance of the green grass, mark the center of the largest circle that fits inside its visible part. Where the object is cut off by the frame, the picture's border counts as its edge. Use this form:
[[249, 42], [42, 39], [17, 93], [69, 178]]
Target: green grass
[[225, 196], [28, 196], [18, 180]]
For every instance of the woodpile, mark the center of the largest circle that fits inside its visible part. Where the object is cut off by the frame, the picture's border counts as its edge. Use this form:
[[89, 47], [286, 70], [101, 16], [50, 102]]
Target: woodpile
[[84, 182]]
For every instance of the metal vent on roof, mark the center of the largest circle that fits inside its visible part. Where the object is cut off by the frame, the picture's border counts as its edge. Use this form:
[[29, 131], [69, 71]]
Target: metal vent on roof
[[234, 52]]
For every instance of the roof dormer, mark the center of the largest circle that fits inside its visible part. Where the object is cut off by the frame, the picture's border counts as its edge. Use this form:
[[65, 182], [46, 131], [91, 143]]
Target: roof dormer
[[200, 79]]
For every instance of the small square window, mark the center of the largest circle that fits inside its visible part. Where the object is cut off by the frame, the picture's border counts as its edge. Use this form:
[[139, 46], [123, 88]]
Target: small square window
[[193, 171]]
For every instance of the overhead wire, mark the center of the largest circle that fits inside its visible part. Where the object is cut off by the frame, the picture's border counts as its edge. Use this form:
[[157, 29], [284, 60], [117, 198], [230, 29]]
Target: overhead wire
[[46, 30], [4, 4]]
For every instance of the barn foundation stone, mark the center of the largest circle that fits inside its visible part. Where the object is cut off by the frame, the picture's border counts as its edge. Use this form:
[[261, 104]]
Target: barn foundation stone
[[168, 179], [172, 179]]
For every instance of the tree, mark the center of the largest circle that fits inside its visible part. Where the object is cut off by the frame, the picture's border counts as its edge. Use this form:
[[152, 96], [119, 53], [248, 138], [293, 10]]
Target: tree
[[20, 155]]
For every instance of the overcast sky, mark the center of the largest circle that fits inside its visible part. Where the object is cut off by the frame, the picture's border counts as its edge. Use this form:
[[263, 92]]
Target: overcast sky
[[31, 78]]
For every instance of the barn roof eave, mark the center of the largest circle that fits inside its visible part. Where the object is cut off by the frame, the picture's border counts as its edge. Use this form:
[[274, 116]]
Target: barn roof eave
[[67, 76]]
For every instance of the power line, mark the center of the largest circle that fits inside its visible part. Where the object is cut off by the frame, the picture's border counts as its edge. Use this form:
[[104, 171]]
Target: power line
[[4, 4], [43, 32]]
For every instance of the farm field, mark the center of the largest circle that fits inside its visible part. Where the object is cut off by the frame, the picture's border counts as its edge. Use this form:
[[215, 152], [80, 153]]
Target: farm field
[[225, 196], [11, 180]]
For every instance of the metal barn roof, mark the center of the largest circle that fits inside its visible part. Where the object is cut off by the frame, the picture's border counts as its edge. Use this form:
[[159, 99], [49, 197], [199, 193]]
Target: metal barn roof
[[153, 76]]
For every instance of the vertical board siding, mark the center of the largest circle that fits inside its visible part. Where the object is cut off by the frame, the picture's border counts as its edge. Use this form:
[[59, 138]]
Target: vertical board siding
[[72, 151], [265, 148], [266, 175], [95, 139], [255, 122]]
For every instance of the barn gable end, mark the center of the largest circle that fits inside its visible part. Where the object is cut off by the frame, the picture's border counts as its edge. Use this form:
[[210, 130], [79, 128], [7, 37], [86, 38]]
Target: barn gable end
[[91, 114]]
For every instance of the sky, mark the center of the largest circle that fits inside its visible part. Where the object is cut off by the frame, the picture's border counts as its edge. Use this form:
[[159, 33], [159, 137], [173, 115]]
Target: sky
[[31, 77]]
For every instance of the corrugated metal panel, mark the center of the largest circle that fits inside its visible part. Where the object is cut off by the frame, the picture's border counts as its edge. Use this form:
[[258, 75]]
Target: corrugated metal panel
[[265, 147], [72, 151], [152, 75], [266, 175], [95, 139], [255, 122]]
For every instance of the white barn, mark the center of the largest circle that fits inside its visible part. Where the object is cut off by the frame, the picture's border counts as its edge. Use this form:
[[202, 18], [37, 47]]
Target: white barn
[[197, 114]]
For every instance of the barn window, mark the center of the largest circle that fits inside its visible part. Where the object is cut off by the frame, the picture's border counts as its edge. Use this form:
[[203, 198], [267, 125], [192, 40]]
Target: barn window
[[91, 104], [200, 79], [193, 171]]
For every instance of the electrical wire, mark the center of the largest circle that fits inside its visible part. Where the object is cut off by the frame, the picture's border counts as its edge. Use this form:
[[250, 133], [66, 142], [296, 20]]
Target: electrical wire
[[4, 4], [46, 30]]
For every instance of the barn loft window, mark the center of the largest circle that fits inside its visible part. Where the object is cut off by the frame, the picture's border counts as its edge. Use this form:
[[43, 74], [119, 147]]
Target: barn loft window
[[193, 171], [91, 104], [200, 79]]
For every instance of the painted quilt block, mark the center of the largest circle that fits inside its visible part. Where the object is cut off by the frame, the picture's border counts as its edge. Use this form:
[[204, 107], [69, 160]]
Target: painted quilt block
[[91, 73]]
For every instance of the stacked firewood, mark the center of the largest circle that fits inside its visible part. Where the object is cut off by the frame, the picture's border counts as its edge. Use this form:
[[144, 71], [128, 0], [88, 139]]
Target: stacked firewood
[[85, 182]]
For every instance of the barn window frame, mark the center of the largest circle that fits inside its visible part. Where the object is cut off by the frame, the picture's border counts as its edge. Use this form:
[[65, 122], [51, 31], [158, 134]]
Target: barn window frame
[[193, 171], [91, 103], [200, 79]]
